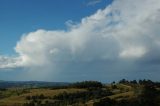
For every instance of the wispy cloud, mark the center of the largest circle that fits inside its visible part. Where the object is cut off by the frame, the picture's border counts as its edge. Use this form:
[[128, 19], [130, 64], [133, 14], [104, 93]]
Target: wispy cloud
[[93, 2]]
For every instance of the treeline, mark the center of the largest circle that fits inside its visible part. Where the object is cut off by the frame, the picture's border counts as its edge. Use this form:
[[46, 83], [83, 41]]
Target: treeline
[[96, 84], [141, 82], [83, 84], [87, 84]]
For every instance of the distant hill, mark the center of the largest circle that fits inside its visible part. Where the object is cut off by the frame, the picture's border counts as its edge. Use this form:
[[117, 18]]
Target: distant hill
[[30, 84]]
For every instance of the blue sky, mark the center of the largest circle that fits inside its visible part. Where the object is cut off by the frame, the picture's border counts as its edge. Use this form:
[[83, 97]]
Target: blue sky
[[74, 40], [23, 16]]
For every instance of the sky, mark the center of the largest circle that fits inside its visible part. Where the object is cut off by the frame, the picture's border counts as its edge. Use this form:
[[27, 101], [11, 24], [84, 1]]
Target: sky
[[75, 40], [23, 16]]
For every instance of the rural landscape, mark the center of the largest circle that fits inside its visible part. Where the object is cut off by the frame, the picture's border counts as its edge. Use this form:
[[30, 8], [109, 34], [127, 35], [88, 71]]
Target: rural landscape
[[85, 93], [79, 52]]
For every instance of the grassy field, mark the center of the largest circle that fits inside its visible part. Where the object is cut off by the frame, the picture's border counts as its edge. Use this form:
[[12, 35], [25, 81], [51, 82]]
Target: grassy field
[[13, 98]]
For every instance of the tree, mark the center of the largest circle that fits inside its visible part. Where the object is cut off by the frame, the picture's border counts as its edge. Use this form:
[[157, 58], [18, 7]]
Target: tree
[[149, 96], [133, 82], [123, 81]]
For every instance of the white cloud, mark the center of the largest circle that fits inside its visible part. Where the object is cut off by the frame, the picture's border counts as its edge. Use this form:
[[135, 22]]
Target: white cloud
[[9, 62], [133, 52], [93, 2], [124, 29]]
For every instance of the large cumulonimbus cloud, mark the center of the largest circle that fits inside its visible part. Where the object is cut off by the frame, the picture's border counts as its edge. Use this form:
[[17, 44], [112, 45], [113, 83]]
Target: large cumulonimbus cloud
[[122, 38]]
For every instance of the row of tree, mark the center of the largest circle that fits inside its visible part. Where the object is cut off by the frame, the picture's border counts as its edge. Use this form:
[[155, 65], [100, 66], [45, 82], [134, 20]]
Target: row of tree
[[141, 82]]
